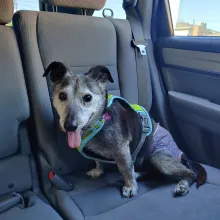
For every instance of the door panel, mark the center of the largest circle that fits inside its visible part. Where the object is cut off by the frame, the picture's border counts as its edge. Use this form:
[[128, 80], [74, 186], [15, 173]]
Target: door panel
[[205, 61], [190, 68]]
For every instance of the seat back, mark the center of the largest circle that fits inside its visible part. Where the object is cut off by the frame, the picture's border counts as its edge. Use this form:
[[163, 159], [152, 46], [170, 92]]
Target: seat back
[[15, 169], [80, 42]]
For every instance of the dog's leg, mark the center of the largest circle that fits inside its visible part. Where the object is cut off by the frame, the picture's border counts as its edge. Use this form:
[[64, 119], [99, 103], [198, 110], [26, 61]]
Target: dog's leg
[[173, 169], [126, 168], [96, 172]]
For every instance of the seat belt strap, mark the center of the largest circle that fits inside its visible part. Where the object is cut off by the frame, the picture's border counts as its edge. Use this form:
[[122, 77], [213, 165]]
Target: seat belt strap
[[141, 47]]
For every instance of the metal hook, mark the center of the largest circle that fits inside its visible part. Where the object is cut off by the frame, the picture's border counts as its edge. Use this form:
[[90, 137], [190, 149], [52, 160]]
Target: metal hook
[[105, 15]]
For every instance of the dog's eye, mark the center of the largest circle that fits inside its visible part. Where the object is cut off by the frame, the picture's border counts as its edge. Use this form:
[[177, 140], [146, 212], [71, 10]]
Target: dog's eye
[[87, 98], [62, 96]]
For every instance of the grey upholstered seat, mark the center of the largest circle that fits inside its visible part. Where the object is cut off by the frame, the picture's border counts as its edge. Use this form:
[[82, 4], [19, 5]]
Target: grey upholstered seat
[[82, 42], [16, 170]]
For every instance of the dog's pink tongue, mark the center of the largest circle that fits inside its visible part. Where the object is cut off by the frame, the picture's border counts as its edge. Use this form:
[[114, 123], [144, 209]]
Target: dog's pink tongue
[[74, 139]]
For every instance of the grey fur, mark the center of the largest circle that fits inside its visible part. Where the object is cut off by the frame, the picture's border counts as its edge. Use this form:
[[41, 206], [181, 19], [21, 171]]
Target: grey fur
[[97, 172], [173, 169], [182, 188], [118, 136]]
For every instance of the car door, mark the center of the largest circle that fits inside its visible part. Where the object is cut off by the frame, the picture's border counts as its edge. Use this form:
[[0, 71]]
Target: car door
[[187, 51]]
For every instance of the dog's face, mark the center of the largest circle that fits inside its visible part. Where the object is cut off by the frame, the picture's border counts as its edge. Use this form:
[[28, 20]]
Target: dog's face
[[78, 99]]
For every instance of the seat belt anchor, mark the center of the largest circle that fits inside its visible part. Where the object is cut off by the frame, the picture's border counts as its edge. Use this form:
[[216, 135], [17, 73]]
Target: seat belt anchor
[[141, 47]]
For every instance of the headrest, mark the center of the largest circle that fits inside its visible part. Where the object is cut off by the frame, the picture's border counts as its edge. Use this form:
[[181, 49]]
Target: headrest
[[6, 11], [84, 4]]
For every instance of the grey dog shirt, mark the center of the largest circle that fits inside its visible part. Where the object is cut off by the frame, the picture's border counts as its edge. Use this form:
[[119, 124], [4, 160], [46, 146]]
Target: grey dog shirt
[[162, 140]]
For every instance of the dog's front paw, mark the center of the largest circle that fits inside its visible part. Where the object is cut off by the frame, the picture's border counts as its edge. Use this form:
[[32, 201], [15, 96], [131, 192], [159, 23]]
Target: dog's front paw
[[182, 188], [129, 192], [95, 173]]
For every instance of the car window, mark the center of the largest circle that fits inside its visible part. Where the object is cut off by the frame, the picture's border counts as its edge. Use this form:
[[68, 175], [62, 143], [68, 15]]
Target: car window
[[32, 5], [116, 6], [195, 17], [26, 5]]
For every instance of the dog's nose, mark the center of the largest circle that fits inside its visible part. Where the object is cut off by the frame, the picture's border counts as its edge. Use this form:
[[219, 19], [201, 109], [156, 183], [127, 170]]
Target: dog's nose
[[70, 126]]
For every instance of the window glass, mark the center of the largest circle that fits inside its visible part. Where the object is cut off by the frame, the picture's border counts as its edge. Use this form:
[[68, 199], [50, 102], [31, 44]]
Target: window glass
[[116, 6], [195, 17], [32, 5]]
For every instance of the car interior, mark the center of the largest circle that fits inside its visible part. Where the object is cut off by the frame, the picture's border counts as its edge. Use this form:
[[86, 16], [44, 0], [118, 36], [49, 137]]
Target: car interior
[[177, 76]]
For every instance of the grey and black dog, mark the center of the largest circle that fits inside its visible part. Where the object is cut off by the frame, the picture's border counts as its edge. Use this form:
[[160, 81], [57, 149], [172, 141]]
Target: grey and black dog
[[80, 100]]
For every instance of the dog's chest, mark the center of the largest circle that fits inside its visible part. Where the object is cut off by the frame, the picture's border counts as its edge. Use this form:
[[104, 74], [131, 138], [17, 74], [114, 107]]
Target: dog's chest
[[99, 149]]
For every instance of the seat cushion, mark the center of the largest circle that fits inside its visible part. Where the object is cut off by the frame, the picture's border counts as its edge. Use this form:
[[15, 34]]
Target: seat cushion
[[13, 93], [37, 210], [100, 199], [46, 37]]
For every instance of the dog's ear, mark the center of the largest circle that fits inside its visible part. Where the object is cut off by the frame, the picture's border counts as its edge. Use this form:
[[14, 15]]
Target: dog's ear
[[57, 71], [101, 74]]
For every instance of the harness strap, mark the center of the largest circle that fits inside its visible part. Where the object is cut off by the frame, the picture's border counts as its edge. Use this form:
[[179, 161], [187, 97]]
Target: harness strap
[[87, 137], [146, 130], [140, 145]]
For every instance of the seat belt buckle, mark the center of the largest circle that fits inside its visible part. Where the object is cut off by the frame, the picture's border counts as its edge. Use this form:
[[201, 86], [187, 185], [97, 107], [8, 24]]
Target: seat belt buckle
[[141, 47], [60, 182], [145, 124]]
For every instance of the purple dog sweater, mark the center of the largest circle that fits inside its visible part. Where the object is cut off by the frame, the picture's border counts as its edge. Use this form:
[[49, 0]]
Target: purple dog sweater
[[162, 140]]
